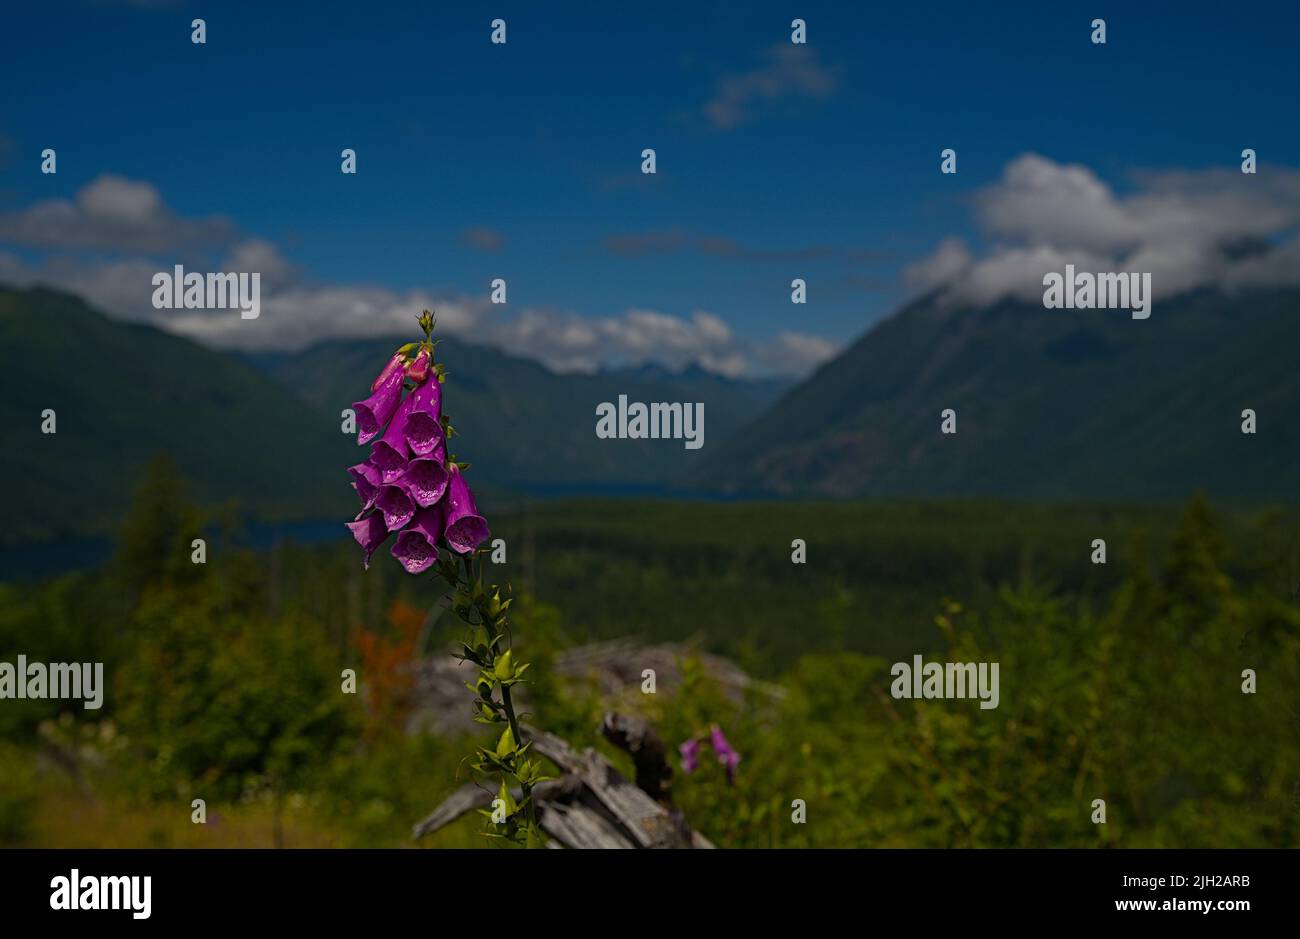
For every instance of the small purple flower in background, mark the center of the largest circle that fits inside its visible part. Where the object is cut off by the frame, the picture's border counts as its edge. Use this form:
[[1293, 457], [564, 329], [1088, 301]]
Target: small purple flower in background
[[727, 755], [690, 751], [409, 485]]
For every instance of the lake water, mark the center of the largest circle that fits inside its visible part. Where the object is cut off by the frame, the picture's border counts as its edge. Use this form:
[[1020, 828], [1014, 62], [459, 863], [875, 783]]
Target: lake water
[[30, 562]]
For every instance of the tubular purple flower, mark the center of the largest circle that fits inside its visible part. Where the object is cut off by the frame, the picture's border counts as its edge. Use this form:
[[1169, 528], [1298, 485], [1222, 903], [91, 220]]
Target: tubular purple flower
[[417, 546], [370, 533], [426, 478], [418, 370], [367, 482], [466, 529], [374, 412], [394, 364], [396, 505], [726, 755], [390, 451], [390, 463], [690, 751], [423, 429]]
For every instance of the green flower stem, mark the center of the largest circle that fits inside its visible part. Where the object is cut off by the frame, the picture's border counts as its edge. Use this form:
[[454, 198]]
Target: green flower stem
[[466, 580]]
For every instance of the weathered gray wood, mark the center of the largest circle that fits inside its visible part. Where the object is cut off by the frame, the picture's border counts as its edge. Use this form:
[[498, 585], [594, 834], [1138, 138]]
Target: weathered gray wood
[[471, 796], [648, 822], [465, 799], [645, 821], [635, 737], [638, 738], [555, 749], [591, 805], [578, 826]]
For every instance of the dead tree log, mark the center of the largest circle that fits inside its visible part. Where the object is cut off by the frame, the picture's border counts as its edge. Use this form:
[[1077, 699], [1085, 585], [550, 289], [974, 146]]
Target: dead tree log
[[592, 805]]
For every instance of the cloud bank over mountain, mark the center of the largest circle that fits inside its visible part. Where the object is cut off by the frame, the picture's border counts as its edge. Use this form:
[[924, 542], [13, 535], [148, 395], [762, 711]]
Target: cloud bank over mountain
[[1213, 228], [1188, 229], [108, 242]]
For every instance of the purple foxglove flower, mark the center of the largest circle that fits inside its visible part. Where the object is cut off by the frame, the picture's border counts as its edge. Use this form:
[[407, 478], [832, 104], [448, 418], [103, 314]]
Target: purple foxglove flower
[[690, 751], [426, 478], [418, 370], [424, 425], [466, 529], [367, 482], [390, 451], [726, 755], [396, 505], [417, 546], [370, 533], [423, 433], [394, 364], [390, 463], [374, 412]]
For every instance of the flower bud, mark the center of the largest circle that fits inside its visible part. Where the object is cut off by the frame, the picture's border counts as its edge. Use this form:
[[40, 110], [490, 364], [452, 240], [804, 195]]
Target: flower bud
[[394, 364], [418, 370]]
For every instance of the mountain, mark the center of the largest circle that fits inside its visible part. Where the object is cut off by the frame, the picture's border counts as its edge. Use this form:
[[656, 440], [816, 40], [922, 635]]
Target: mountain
[[122, 392], [264, 430], [526, 428], [1051, 404]]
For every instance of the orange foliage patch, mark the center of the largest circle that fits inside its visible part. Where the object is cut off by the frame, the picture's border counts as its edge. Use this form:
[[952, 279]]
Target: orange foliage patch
[[385, 663]]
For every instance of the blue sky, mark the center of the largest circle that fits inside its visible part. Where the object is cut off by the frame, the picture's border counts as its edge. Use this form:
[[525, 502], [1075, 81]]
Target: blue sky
[[824, 166]]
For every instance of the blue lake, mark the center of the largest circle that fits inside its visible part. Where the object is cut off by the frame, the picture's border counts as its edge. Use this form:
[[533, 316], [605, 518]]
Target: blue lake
[[30, 562]]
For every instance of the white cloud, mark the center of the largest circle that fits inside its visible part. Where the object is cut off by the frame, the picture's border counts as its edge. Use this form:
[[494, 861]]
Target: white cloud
[[265, 258], [796, 353], [790, 70], [301, 315], [567, 342], [949, 260], [1187, 229], [295, 315], [117, 215], [561, 340], [113, 214]]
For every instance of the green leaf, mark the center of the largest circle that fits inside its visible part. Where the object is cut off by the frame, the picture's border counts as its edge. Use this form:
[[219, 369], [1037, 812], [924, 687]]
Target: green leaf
[[507, 799], [506, 745]]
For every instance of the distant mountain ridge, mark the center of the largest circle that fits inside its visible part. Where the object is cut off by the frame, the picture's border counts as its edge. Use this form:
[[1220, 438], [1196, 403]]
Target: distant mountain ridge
[[1076, 405], [1050, 404], [264, 431], [122, 392], [529, 429]]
